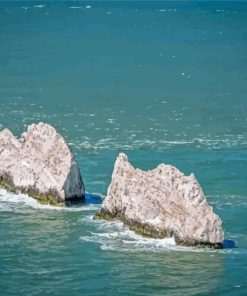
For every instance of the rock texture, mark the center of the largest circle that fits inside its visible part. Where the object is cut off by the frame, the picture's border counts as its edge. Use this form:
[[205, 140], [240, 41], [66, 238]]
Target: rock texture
[[41, 164], [161, 203]]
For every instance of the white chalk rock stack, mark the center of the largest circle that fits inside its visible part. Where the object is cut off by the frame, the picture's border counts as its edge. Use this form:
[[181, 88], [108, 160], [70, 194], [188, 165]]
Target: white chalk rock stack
[[161, 203], [41, 164]]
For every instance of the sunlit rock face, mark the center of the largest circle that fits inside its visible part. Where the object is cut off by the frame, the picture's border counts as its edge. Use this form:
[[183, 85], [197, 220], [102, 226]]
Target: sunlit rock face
[[161, 203], [41, 164]]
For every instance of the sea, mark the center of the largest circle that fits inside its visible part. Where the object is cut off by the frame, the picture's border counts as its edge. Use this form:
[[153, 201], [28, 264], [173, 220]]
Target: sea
[[163, 82]]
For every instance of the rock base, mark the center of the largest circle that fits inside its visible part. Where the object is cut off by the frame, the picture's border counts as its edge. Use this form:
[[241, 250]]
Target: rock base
[[146, 231], [51, 197]]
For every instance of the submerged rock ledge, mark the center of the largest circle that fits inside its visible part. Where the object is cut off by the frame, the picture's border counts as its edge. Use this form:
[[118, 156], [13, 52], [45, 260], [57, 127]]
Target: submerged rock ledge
[[161, 203], [40, 164]]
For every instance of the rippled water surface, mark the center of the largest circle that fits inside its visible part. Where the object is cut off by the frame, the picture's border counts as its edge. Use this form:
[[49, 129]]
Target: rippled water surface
[[160, 81]]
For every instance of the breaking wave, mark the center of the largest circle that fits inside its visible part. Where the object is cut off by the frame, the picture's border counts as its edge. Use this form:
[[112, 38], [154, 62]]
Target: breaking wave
[[116, 236]]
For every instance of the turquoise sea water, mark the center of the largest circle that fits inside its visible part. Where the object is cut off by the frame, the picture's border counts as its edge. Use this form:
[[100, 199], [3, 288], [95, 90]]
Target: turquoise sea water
[[160, 81]]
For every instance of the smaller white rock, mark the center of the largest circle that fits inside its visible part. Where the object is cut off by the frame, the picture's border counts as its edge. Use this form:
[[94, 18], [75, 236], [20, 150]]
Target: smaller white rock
[[41, 161]]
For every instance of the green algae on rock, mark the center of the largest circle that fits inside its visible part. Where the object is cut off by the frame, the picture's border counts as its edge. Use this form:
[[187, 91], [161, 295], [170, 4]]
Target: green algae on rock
[[51, 197]]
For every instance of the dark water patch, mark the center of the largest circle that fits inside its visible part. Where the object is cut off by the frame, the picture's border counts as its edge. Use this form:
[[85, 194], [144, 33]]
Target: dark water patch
[[92, 198], [229, 244]]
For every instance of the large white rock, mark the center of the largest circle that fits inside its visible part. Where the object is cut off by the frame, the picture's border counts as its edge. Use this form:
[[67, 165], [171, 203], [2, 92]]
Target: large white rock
[[41, 164], [161, 202]]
